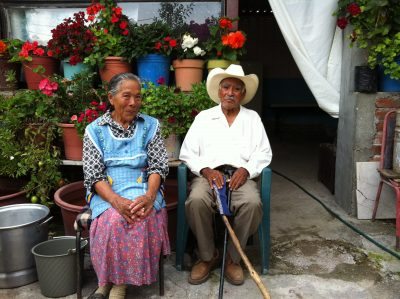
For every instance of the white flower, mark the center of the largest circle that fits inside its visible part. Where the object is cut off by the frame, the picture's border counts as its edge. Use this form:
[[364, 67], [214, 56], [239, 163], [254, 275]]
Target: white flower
[[189, 42], [11, 157], [198, 51]]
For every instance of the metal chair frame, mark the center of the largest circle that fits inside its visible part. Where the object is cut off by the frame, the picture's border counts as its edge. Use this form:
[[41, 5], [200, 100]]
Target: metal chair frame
[[79, 228], [386, 173], [263, 229]]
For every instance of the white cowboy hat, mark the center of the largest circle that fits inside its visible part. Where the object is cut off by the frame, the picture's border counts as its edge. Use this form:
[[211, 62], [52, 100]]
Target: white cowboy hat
[[233, 71]]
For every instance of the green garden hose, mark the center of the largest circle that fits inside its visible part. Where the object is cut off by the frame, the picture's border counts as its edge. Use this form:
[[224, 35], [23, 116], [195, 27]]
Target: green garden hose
[[358, 231]]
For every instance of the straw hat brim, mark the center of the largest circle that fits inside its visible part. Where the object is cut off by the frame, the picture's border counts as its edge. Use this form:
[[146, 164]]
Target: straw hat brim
[[217, 75]]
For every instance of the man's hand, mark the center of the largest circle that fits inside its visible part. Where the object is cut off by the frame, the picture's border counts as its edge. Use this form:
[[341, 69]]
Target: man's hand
[[238, 178], [213, 176]]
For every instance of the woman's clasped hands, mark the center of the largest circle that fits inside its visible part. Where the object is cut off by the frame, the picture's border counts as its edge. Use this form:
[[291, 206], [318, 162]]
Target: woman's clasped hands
[[141, 207], [135, 210]]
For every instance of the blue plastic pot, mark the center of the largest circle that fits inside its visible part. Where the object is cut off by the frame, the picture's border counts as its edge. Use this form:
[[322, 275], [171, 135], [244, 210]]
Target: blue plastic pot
[[154, 68], [72, 70], [386, 83]]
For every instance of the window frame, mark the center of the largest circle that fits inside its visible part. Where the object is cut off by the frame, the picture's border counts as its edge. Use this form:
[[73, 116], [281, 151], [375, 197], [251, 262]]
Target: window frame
[[229, 8]]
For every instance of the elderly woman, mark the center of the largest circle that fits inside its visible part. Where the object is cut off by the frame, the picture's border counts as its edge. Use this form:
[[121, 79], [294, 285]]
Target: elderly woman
[[124, 164]]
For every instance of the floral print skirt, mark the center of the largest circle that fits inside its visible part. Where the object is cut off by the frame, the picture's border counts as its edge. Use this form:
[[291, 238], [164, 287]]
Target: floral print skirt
[[125, 253]]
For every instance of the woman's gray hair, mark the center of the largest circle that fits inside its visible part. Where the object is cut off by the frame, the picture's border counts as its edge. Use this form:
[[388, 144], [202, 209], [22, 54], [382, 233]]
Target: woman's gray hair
[[116, 81]]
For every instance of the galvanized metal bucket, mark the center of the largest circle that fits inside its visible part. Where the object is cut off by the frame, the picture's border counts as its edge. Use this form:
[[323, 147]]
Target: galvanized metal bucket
[[22, 226], [56, 266]]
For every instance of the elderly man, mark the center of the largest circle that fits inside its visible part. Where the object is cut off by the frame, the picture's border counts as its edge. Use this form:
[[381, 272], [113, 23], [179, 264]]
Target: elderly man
[[227, 135]]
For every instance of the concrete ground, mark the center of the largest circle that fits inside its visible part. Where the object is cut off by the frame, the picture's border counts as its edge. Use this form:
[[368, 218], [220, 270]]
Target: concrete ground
[[313, 254]]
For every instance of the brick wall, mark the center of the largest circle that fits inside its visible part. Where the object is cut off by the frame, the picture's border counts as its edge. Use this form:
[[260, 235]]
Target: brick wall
[[383, 104]]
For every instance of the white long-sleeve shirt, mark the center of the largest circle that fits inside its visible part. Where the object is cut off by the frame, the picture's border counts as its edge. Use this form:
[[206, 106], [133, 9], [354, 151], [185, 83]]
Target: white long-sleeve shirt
[[211, 142]]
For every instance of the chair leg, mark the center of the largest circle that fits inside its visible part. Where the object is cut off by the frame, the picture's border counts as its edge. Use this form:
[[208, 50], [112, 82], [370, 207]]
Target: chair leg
[[79, 269], [161, 274], [378, 196], [264, 227], [397, 189], [182, 226], [264, 239]]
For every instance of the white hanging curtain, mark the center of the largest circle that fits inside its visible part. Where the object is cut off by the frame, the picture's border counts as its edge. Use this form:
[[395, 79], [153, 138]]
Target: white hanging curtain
[[315, 42]]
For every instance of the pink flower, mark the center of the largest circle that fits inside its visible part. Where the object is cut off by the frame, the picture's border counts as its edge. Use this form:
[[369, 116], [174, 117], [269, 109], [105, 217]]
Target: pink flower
[[74, 117], [47, 87]]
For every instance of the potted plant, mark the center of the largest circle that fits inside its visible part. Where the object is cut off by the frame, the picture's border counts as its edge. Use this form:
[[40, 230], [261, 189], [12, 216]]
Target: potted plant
[[74, 130], [224, 45], [153, 47], [189, 64], [175, 110], [9, 71], [71, 42], [70, 98], [28, 142], [111, 30], [37, 63], [375, 28]]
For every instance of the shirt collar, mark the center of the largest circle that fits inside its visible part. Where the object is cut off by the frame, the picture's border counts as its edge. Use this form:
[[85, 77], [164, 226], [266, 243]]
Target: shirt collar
[[217, 113], [106, 119]]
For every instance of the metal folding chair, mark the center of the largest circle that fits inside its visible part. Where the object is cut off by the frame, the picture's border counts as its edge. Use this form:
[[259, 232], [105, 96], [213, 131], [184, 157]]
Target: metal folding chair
[[386, 173]]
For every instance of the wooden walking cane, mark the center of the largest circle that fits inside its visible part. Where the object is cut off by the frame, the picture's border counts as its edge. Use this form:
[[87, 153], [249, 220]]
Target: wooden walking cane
[[254, 275]]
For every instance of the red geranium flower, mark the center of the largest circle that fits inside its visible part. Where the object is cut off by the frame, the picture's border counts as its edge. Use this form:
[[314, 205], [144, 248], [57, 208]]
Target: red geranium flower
[[161, 81], [235, 40], [171, 120], [95, 110], [3, 47], [224, 43], [354, 9], [225, 23], [72, 39], [342, 22]]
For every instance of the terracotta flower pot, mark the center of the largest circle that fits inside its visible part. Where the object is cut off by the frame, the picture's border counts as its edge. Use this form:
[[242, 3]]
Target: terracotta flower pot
[[114, 65], [10, 191], [188, 72], [5, 67], [50, 65], [73, 145], [71, 199]]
